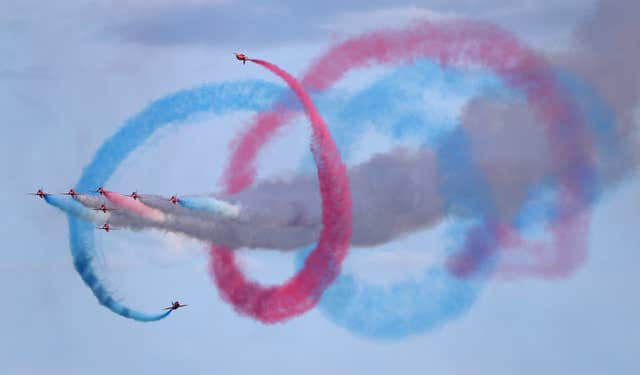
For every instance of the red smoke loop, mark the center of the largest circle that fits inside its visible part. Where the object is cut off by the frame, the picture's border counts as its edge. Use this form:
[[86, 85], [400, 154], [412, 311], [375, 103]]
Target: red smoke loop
[[303, 291]]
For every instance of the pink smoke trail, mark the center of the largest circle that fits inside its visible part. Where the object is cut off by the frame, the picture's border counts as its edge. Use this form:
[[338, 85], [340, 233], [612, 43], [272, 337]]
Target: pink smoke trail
[[303, 291], [135, 206]]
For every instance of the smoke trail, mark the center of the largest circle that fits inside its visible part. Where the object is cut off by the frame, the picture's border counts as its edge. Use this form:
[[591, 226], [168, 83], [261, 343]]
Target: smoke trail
[[395, 178], [73, 207], [322, 266], [211, 205], [269, 226], [572, 209], [135, 206], [81, 236], [251, 95], [82, 256]]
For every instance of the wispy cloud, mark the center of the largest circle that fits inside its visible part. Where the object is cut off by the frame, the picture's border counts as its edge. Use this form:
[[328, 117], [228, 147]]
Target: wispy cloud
[[359, 21], [252, 23]]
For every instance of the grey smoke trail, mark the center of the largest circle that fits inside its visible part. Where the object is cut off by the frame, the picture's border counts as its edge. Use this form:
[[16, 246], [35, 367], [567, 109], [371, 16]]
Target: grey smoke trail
[[397, 193]]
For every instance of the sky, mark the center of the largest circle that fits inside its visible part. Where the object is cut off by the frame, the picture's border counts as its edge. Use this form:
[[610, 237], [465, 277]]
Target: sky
[[73, 72]]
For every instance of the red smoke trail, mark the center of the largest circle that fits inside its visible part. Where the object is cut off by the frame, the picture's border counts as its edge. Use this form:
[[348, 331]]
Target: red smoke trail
[[303, 291], [135, 206], [454, 43]]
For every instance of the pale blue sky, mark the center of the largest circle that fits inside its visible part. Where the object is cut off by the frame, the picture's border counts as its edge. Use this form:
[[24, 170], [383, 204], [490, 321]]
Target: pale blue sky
[[72, 72]]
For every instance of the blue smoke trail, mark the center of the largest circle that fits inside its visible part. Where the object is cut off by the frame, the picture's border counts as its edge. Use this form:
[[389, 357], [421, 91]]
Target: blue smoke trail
[[210, 205], [216, 98], [72, 207], [82, 248], [83, 252]]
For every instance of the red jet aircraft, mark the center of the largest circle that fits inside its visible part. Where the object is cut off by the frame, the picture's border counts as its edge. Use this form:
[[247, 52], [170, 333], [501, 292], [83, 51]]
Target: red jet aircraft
[[40, 193], [174, 199], [71, 192], [106, 227], [174, 306], [134, 195], [104, 209], [242, 57], [100, 190]]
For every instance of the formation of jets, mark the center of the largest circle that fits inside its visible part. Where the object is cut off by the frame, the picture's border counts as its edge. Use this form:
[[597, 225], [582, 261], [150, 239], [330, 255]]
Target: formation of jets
[[103, 207], [73, 194], [106, 227]]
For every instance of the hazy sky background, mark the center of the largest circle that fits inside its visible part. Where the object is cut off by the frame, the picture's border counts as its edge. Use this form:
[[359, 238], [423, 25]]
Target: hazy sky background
[[72, 72]]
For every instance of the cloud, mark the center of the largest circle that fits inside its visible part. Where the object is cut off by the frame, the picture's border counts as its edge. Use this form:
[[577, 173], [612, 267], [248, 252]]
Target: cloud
[[222, 24], [254, 24]]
